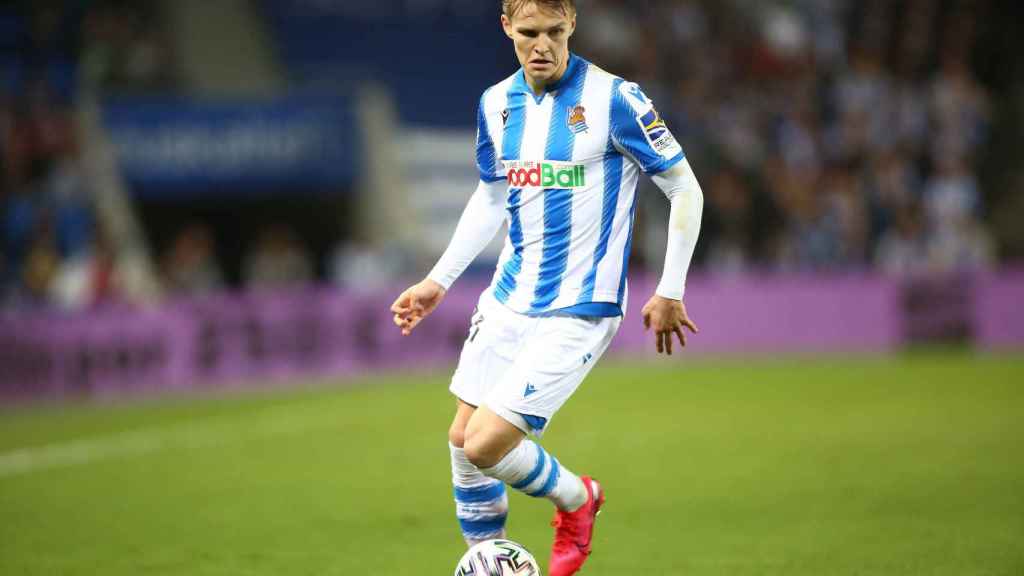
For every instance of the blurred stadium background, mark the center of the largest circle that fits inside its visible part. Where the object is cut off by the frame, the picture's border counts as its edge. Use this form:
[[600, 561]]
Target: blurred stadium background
[[216, 196]]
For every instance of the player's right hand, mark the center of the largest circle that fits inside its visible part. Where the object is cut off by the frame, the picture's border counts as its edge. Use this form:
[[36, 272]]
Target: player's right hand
[[416, 303]]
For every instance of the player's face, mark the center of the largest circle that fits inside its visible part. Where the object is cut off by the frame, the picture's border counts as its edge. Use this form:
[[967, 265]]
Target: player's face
[[541, 37]]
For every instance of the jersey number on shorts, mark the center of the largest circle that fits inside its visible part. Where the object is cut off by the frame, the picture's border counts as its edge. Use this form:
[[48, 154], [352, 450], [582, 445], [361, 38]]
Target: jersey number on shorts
[[474, 326]]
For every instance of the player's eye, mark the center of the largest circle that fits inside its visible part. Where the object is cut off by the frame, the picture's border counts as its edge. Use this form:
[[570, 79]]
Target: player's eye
[[529, 33]]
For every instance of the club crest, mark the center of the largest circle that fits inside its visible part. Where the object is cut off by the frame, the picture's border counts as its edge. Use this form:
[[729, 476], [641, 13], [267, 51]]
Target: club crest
[[577, 119]]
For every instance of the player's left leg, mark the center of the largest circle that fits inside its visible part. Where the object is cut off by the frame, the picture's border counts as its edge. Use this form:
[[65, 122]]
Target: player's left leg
[[559, 353], [501, 450]]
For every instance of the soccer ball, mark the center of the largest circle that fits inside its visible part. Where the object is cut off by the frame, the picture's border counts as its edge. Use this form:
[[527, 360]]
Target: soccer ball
[[497, 558]]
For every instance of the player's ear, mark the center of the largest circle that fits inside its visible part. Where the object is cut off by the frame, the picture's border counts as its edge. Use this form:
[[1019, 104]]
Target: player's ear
[[506, 25], [572, 25]]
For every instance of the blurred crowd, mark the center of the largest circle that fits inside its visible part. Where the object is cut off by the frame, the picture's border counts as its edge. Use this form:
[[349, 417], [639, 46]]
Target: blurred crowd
[[827, 134], [56, 251]]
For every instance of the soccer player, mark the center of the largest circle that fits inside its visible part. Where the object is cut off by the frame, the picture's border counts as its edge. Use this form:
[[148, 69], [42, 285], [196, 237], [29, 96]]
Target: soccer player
[[560, 146]]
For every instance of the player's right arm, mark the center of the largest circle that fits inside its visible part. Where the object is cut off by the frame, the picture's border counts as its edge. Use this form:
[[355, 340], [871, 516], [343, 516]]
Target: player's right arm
[[479, 222]]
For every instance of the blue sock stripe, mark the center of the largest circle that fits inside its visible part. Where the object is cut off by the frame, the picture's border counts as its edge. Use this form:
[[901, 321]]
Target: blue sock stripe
[[482, 527], [550, 483], [542, 458], [478, 494]]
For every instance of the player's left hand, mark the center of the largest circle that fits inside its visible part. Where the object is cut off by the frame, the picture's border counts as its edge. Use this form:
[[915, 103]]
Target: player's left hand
[[667, 317]]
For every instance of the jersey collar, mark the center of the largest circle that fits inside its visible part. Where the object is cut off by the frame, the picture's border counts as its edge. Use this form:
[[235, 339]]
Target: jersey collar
[[574, 68]]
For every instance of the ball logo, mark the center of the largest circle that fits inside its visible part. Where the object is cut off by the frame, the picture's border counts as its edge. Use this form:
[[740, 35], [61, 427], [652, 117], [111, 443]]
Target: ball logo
[[528, 174]]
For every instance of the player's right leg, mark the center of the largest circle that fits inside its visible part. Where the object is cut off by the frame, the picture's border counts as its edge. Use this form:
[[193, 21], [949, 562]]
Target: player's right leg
[[481, 504]]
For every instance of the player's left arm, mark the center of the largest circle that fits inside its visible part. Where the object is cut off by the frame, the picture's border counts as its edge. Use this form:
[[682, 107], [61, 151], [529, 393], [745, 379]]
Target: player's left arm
[[665, 312], [640, 133]]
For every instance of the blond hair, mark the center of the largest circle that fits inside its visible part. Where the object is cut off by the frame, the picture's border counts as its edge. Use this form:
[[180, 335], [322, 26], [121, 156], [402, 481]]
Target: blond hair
[[510, 7]]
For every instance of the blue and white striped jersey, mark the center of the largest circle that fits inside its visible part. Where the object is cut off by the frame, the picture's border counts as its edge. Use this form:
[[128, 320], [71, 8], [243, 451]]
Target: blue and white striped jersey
[[572, 158]]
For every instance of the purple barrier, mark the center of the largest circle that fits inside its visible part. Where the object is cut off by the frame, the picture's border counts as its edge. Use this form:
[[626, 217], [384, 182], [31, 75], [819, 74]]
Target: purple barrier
[[220, 341], [998, 302], [326, 333], [761, 314]]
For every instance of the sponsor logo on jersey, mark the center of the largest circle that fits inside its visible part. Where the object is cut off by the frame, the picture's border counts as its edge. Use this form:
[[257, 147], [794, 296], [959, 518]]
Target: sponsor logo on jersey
[[504, 117], [543, 174], [577, 119]]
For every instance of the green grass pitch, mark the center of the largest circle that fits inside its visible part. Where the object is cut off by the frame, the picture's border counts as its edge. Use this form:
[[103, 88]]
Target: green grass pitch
[[910, 465]]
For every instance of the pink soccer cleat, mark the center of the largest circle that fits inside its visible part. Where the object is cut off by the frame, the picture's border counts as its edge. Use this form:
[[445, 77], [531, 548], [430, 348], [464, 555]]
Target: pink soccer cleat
[[574, 531]]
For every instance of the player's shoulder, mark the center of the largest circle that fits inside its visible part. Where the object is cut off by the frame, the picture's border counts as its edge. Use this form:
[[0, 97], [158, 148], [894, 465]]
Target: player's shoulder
[[632, 95], [601, 75], [494, 98], [625, 94]]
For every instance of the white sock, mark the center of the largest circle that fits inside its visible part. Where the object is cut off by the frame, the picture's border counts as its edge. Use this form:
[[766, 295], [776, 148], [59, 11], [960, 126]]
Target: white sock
[[529, 469], [481, 504]]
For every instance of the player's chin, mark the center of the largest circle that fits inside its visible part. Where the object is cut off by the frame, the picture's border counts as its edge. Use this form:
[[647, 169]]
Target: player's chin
[[540, 71]]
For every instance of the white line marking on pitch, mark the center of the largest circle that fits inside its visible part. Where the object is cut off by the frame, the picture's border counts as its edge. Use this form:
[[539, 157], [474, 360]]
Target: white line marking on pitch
[[151, 440]]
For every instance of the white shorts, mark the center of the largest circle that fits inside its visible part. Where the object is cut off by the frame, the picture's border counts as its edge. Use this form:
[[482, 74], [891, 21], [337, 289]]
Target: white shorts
[[524, 368]]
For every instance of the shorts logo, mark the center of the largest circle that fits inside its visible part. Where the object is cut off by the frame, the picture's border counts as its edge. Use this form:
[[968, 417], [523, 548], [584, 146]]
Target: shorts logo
[[527, 173], [529, 390], [577, 119]]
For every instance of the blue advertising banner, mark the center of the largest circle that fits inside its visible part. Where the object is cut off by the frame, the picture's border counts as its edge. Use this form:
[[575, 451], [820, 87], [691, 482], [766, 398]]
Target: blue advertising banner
[[181, 146]]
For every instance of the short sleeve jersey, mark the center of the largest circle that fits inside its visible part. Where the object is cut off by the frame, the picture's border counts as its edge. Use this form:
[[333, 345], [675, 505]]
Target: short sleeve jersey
[[571, 158]]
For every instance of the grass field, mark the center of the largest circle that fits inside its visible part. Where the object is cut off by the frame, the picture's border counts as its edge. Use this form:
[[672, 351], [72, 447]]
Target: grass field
[[911, 465]]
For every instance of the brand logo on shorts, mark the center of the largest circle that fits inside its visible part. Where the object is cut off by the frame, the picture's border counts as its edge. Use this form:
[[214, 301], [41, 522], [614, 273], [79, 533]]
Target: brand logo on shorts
[[529, 390], [527, 173]]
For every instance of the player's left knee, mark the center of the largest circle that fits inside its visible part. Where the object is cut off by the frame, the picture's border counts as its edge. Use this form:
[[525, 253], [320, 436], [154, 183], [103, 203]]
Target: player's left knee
[[484, 450]]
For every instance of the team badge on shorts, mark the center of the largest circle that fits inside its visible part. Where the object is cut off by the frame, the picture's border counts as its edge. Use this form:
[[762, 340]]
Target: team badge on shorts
[[577, 119]]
